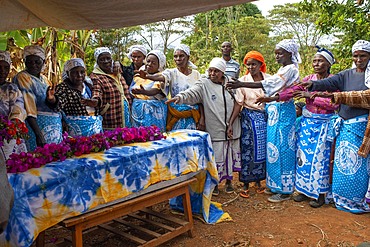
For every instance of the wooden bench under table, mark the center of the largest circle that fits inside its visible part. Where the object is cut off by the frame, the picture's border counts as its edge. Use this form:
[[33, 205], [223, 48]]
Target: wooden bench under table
[[115, 210]]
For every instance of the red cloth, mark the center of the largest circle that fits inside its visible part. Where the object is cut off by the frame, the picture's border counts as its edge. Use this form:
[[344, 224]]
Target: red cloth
[[257, 56]]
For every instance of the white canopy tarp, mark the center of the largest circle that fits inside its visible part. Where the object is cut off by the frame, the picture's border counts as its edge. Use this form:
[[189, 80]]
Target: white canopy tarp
[[98, 14]]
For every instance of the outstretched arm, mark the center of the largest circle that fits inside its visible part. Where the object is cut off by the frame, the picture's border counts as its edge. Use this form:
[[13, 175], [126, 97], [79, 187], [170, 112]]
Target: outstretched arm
[[237, 84]]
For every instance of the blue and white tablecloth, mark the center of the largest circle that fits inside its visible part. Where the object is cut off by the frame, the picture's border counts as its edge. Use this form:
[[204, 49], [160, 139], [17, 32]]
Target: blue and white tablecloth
[[59, 190]]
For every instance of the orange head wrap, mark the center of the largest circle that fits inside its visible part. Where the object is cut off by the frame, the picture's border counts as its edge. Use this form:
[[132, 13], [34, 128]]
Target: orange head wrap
[[257, 56]]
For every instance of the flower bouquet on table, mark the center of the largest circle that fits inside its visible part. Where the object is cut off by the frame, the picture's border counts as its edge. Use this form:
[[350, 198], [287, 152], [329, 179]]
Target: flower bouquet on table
[[79, 145], [12, 130]]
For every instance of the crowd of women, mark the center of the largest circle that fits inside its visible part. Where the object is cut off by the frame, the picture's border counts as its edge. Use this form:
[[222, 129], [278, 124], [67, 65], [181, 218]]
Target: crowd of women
[[252, 121]]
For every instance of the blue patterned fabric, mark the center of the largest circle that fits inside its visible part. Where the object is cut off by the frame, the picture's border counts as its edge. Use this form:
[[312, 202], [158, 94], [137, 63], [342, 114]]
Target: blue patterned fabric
[[253, 146], [149, 112], [350, 171], [313, 155], [83, 125], [59, 190], [127, 116], [281, 147], [51, 127], [185, 123]]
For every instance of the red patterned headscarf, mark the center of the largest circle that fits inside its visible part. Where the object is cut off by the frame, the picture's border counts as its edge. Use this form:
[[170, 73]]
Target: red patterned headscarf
[[257, 56]]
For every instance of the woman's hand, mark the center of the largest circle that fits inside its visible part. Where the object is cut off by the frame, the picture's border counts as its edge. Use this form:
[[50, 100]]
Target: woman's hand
[[142, 73], [90, 102], [175, 100], [261, 100], [306, 84], [40, 140], [140, 90], [50, 94], [230, 131], [235, 83], [201, 124], [322, 94], [117, 68], [302, 94]]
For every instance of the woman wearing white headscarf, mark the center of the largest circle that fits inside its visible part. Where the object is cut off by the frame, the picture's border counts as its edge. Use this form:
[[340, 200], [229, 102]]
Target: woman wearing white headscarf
[[111, 91], [177, 80], [11, 106], [45, 125], [73, 98], [281, 156], [136, 54], [218, 106], [350, 171], [148, 107], [313, 161]]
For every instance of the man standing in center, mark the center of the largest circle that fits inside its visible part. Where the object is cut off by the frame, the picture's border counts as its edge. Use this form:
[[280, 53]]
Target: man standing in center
[[232, 66]]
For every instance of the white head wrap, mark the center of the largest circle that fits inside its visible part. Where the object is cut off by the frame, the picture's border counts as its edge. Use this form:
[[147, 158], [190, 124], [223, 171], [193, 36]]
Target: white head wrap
[[218, 63], [70, 64], [5, 56], [73, 63], [326, 54], [133, 48], [101, 50], [186, 49], [363, 45], [34, 50], [161, 58], [292, 47]]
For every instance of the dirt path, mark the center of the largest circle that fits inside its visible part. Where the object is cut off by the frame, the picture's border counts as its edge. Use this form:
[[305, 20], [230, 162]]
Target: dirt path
[[257, 222]]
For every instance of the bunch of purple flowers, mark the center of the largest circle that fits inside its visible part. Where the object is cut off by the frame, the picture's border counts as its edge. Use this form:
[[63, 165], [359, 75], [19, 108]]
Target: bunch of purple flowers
[[79, 145]]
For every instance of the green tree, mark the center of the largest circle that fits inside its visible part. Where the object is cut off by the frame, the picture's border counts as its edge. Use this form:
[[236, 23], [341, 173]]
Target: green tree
[[291, 21], [210, 29], [347, 20]]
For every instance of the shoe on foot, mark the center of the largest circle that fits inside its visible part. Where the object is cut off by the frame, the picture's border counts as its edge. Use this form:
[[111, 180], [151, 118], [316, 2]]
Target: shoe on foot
[[216, 191], [260, 190], [278, 198], [229, 188], [244, 193], [319, 202], [300, 198], [267, 191]]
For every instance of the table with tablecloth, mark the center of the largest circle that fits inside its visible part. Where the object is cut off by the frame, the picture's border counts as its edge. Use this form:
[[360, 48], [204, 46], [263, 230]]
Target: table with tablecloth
[[59, 190]]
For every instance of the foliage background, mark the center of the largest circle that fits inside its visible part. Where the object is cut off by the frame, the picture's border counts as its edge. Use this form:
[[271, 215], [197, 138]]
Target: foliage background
[[333, 24]]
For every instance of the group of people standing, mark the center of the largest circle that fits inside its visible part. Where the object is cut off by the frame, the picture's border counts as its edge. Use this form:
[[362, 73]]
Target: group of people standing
[[323, 155], [251, 120]]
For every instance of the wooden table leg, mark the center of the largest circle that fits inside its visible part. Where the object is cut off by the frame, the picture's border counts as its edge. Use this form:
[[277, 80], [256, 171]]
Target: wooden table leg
[[77, 236], [187, 211], [40, 240]]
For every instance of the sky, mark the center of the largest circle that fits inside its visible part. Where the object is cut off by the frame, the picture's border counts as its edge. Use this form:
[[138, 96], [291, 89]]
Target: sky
[[266, 5]]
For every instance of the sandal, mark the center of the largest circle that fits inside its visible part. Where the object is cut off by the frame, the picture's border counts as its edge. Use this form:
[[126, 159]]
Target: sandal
[[244, 193], [260, 190]]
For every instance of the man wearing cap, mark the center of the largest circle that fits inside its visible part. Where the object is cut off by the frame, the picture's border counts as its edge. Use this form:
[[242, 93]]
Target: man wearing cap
[[218, 106], [232, 66], [350, 171]]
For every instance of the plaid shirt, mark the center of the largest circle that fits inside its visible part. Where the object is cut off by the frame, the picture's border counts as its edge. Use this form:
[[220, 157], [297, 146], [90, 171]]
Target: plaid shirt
[[360, 99], [105, 89]]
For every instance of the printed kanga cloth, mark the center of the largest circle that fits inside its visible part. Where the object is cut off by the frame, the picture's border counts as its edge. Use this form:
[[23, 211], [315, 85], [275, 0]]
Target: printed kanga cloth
[[59, 190]]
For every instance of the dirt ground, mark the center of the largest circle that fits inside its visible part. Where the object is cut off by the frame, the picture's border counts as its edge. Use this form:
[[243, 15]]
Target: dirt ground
[[256, 222]]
